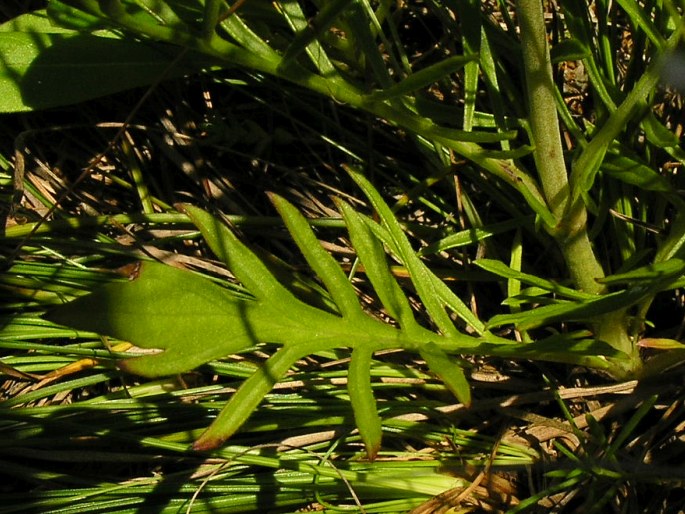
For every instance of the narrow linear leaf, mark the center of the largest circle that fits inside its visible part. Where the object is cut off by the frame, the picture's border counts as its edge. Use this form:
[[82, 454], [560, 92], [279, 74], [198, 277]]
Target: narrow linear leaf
[[425, 77], [502, 270], [247, 398], [248, 39], [363, 402], [584, 169], [309, 32], [657, 133], [319, 259], [474, 235], [639, 16], [569, 50], [370, 252], [656, 343], [648, 275], [448, 371], [569, 348], [365, 38], [622, 167], [471, 22], [513, 284], [571, 311]]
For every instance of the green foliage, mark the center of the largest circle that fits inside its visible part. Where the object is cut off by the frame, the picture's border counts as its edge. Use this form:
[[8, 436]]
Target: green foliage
[[43, 66], [313, 56], [161, 308], [598, 219]]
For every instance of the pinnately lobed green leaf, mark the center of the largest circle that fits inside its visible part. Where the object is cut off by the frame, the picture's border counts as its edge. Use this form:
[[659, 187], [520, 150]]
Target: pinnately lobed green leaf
[[190, 320]]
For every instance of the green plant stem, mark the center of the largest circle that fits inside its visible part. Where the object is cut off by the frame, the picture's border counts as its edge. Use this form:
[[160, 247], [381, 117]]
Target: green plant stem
[[544, 122], [211, 18], [570, 230], [571, 227], [338, 88]]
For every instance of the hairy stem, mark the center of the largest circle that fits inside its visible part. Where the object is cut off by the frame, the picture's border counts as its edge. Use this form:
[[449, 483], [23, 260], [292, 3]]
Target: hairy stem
[[544, 122], [570, 230]]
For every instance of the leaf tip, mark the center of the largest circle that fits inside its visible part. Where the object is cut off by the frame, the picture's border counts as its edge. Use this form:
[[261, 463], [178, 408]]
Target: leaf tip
[[372, 451], [207, 443]]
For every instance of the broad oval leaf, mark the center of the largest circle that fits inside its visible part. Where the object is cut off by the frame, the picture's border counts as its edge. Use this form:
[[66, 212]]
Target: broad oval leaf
[[192, 319], [44, 70]]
